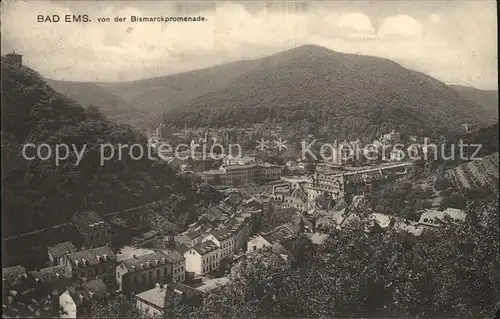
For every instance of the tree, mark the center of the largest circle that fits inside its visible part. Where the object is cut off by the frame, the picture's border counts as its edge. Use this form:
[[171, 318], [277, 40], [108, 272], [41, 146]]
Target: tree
[[449, 273], [119, 307]]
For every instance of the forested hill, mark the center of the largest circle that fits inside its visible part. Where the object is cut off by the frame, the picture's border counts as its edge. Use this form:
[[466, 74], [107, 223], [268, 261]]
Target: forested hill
[[485, 98], [339, 92], [112, 106], [38, 193]]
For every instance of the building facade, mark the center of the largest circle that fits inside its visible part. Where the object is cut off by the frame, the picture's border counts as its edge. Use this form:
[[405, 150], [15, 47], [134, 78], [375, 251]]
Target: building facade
[[94, 231], [242, 174], [95, 262], [143, 272], [203, 258]]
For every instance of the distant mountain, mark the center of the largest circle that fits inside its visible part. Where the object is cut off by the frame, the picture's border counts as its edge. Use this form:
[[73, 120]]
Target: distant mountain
[[162, 93], [341, 95], [349, 95], [485, 98], [112, 106]]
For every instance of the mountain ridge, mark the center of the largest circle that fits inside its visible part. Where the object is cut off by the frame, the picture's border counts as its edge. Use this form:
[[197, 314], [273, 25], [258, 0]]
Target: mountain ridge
[[354, 81]]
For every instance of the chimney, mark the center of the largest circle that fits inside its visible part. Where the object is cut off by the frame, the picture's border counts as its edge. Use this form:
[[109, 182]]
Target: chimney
[[163, 260], [157, 285], [105, 257], [156, 262], [84, 261], [148, 264], [81, 297], [77, 262], [142, 266], [98, 257], [57, 275], [133, 267]]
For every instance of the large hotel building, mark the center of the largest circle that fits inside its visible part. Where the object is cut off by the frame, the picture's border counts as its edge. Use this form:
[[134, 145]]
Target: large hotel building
[[242, 174]]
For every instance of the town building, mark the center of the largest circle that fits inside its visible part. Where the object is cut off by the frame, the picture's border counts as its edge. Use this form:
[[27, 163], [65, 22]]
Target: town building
[[12, 277], [76, 300], [48, 279], [155, 301], [273, 238], [97, 262], [225, 238], [94, 231], [190, 238], [203, 258], [57, 253], [436, 218], [142, 272], [242, 174], [213, 284]]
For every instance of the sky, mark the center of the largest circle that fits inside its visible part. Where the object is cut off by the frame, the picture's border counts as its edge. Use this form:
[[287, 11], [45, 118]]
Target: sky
[[453, 41]]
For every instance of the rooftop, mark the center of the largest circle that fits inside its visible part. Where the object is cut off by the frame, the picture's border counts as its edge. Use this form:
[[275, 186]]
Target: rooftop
[[159, 296], [222, 233], [51, 273], [435, 217], [212, 284], [127, 252], [92, 256], [173, 255], [96, 287], [148, 260], [61, 249], [13, 273], [205, 247]]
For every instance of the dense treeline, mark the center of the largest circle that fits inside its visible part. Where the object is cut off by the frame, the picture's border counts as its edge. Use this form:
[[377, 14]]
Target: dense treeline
[[38, 193]]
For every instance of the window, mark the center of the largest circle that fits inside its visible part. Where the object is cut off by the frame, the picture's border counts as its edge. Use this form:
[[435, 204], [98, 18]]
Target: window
[[165, 271], [135, 280], [82, 274], [90, 273], [158, 273]]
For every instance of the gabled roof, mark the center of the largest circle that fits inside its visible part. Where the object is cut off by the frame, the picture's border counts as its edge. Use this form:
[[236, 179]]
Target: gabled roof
[[174, 255], [161, 297], [222, 233], [149, 260], [205, 247], [61, 249], [51, 273], [91, 256], [193, 234]]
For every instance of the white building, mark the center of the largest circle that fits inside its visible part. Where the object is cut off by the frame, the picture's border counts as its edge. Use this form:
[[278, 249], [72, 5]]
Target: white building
[[202, 258], [435, 218], [225, 239]]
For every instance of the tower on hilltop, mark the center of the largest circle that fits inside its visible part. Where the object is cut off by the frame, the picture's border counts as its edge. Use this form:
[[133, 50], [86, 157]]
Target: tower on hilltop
[[15, 58]]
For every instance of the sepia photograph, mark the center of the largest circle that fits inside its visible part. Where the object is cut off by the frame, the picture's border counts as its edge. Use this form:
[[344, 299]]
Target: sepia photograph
[[250, 159]]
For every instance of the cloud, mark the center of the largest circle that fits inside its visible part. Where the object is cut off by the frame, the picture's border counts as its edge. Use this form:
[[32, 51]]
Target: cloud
[[456, 45], [400, 26]]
